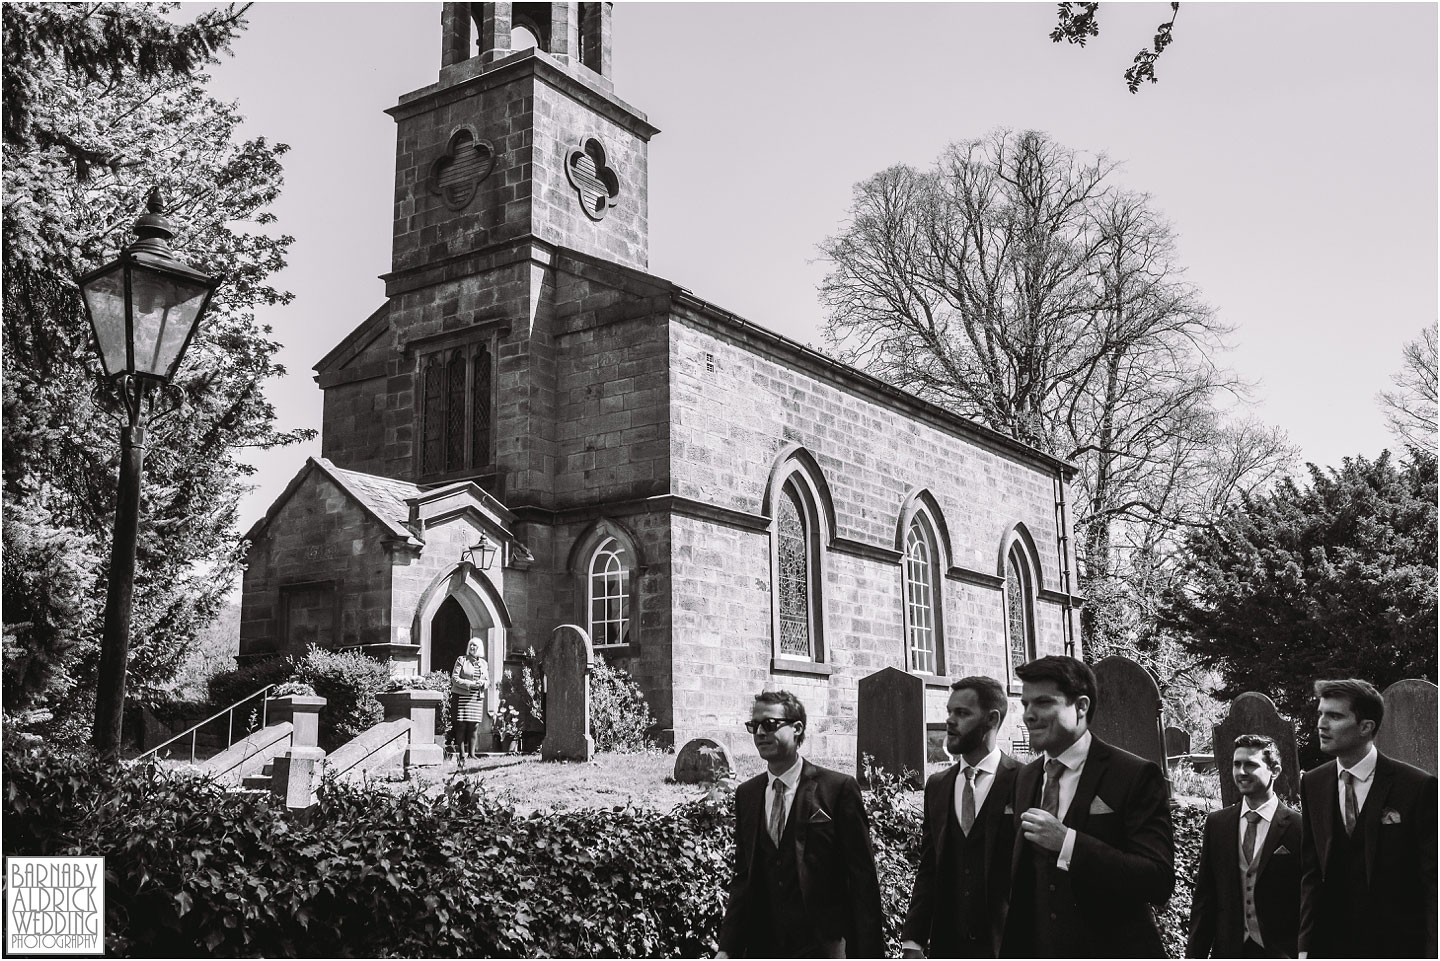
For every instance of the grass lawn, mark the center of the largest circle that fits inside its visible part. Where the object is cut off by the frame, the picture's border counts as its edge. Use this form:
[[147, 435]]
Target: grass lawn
[[610, 780]]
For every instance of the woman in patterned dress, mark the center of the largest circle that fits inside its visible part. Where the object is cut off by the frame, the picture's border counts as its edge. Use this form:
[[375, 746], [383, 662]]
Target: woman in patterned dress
[[468, 682]]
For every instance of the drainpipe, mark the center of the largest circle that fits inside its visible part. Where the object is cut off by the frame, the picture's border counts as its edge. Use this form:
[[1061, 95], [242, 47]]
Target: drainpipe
[[1062, 546]]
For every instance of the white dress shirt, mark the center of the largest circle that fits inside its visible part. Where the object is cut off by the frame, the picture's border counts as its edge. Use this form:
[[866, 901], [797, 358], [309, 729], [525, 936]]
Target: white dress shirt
[[1267, 817], [1074, 760], [791, 778], [1364, 771], [984, 777]]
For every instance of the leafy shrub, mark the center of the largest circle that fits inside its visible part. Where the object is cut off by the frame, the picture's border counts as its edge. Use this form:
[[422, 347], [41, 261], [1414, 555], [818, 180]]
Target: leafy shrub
[[349, 682], [194, 870], [619, 716], [292, 689], [1188, 782], [230, 686]]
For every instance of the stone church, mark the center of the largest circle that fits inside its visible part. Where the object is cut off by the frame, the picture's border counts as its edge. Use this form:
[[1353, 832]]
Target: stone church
[[721, 508]]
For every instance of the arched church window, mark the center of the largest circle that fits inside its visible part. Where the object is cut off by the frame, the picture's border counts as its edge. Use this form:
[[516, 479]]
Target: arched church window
[[609, 594], [793, 547], [1019, 609], [922, 592], [456, 412], [797, 501]]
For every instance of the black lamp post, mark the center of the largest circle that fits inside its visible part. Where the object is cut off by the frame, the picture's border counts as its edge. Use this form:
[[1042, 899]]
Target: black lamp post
[[144, 308]]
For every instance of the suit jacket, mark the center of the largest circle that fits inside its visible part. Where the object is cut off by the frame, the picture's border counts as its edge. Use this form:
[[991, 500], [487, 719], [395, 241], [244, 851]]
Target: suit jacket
[[834, 859], [924, 924], [1217, 918], [1123, 860], [1399, 818]]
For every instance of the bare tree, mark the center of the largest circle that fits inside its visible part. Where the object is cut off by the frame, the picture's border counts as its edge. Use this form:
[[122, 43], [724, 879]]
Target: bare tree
[[1410, 410], [1013, 284]]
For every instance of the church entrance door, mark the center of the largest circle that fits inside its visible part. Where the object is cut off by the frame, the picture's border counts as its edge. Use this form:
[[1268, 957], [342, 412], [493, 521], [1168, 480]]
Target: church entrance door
[[449, 633]]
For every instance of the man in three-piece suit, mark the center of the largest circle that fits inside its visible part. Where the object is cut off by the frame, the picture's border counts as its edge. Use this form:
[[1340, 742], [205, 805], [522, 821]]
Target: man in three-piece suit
[[1367, 887], [1247, 889], [805, 882], [957, 904], [1094, 847]]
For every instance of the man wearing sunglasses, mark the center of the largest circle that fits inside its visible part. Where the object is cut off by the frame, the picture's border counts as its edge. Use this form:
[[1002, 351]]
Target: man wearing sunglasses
[[805, 883]]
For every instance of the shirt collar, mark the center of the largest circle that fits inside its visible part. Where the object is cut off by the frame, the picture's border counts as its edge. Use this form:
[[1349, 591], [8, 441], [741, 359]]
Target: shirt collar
[[790, 777], [1363, 768], [1075, 754], [1266, 810], [989, 764]]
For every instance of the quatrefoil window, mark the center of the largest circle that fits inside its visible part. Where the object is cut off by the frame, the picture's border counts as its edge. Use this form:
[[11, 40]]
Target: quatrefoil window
[[594, 180], [458, 172]]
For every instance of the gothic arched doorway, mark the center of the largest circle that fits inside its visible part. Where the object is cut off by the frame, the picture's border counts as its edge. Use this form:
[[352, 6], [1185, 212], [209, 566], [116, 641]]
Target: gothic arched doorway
[[449, 633]]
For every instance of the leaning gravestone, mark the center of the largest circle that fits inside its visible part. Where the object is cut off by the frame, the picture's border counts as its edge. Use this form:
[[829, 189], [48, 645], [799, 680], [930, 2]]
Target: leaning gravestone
[[703, 761], [1128, 714], [1177, 742], [1407, 733], [1254, 713], [566, 659], [890, 725]]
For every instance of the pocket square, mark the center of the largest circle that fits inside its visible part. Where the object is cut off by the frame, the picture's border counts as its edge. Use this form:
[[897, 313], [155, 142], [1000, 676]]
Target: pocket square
[[1098, 806], [1008, 810], [1282, 849], [819, 817], [1390, 816]]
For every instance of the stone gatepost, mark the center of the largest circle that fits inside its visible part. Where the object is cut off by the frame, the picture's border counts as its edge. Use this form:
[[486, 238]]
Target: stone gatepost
[[421, 708], [293, 775]]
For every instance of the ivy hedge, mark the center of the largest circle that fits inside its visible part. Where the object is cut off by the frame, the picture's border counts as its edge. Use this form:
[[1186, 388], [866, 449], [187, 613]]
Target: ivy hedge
[[195, 870]]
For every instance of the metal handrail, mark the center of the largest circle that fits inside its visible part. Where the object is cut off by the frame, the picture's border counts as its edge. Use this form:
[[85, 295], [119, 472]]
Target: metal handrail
[[263, 694]]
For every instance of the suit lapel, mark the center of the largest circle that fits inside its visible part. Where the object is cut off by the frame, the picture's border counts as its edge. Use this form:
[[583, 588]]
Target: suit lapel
[[999, 796], [1272, 837], [1322, 808], [1384, 777], [949, 783], [1095, 763], [1027, 780], [1227, 827], [800, 813]]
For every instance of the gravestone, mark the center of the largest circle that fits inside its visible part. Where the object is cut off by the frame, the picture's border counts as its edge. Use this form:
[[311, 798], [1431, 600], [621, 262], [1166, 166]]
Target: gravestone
[[1407, 732], [1177, 742], [703, 761], [1128, 715], [1254, 713], [890, 725], [566, 659]]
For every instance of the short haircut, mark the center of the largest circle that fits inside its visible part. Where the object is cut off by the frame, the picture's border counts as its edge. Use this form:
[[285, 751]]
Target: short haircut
[[987, 691], [1269, 752], [1072, 677], [1365, 701], [794, 710]]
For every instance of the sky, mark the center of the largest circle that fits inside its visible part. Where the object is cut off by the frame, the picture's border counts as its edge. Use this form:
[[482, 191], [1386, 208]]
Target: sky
[[1291, 146]]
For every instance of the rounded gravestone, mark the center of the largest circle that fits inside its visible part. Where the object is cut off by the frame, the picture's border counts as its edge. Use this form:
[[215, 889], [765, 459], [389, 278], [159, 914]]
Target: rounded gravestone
[[702, 761], [1254, 713], [1407, 732], [1128, 715]]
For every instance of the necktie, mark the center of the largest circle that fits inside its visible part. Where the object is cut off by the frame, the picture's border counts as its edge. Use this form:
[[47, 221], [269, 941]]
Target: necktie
[[1247, 845], [967, 801], [1351, 808], [777, 812], [1050, 799]]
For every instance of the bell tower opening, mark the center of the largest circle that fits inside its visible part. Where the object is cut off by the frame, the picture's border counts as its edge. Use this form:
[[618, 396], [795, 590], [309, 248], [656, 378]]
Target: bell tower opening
[[572, 34], [449, 633]]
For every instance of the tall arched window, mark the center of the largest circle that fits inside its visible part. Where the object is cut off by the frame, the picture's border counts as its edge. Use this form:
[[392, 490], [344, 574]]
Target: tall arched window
[[609, 589], [456, 411], [922, 594], [797, 501], [792, 545], [1019, 608]]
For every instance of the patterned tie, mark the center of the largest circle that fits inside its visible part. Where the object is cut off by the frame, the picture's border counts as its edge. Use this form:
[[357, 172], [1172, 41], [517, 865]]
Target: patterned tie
[[1247, 845], [777, 812], [1050, 799], [1351, 808], [967, 801]]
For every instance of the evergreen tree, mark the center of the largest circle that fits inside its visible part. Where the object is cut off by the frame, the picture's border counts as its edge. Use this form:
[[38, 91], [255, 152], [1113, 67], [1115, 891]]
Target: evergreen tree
[[102, 102], [1333, 579]]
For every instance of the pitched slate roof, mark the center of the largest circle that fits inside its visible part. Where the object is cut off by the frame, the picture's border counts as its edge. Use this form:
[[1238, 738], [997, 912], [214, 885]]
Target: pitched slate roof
[[382, 498]]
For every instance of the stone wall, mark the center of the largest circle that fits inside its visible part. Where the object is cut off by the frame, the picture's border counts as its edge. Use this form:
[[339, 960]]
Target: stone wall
[[319, 535]]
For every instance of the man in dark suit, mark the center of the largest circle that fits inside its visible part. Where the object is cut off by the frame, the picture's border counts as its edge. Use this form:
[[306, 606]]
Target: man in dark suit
[[1367, 887], [1093, 843], [957, 905], [805, 882], [1247, 891]]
